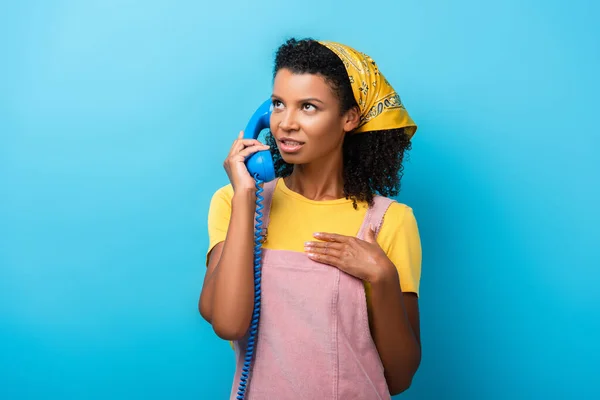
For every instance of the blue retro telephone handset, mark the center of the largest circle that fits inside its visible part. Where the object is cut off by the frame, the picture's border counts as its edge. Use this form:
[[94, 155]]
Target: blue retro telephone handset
[[260, 166]]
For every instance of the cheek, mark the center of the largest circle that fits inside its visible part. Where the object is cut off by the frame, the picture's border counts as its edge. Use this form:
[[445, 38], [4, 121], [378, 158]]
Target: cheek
[[324, 133]]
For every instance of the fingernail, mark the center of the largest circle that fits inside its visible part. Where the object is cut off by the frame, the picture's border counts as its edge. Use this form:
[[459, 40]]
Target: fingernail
[[317, 234]]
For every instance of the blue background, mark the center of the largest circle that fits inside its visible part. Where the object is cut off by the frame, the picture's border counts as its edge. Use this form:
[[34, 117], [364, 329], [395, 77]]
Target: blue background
[[115, 117]]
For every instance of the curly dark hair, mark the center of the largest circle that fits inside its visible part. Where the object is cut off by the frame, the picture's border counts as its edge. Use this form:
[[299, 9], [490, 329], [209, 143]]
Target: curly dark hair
[[372, 162]]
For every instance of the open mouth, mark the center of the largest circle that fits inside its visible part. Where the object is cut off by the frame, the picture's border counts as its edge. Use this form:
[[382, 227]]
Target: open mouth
[[289, 145]]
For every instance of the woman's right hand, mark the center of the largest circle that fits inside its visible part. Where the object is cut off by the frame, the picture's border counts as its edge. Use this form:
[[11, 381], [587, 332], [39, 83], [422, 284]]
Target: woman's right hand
[[234, 163]]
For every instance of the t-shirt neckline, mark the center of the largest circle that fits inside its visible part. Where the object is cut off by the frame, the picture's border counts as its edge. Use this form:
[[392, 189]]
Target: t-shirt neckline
[[287, 191]]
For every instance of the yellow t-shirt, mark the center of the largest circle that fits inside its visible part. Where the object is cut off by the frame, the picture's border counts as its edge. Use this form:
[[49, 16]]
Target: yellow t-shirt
[[294, 219]]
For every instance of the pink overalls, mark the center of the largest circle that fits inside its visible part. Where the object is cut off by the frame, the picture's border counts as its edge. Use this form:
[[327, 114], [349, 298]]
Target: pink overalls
[[313, 340]]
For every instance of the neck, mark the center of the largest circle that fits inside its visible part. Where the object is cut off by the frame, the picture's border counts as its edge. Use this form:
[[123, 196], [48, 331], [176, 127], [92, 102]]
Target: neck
[[319, 180]]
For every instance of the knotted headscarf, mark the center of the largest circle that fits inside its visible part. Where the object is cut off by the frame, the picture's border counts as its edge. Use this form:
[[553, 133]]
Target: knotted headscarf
[[380, 105]]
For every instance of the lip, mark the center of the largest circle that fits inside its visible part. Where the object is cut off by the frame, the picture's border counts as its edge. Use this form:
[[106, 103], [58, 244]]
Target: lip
[[289, 148]]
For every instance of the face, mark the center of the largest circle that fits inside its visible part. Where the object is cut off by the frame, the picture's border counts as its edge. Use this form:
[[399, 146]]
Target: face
[[306, 120]]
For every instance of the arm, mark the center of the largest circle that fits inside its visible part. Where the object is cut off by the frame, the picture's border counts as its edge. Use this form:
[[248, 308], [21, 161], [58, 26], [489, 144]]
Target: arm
[[394, 314], [208, 286], [395, 329], [227, 296]]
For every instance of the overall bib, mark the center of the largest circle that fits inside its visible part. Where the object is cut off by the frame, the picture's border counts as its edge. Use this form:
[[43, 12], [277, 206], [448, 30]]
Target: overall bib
[[313, 339]]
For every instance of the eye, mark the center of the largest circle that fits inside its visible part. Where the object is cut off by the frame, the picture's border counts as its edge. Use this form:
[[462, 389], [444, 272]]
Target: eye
[[277, 104], [308, 107]]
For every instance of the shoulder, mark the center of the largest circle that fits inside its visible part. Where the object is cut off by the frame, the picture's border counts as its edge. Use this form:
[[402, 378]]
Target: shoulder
[[400, 239], [219, 214], [398, 221], [224, 194], [220, 204], [393, 213], [397, 213]]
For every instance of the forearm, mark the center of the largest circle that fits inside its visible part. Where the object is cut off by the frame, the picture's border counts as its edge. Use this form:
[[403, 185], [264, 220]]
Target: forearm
[[393, 334], [232, 281]]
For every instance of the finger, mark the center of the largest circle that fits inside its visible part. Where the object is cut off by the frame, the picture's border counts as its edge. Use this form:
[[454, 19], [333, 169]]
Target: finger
[[251, 150], [324, 259], [241, 144], [250, 142], [236, 146], [325, 251], [332, 237], [323, 245]]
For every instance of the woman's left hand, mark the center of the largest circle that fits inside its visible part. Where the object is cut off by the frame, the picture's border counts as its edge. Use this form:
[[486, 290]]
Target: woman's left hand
[[363, 259]]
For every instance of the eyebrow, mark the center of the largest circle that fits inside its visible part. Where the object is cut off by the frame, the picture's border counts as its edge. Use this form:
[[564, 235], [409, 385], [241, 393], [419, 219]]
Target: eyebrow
[[309, 99]]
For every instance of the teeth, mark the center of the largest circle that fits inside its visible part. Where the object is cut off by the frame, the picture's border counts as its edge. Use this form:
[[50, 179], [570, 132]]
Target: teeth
[[290, 143]]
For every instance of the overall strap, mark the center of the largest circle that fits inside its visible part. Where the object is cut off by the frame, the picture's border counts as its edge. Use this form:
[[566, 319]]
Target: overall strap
[[267, 194], [375, 215]]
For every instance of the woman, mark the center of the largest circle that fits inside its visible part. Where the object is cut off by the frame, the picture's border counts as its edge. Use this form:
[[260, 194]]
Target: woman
[[339, 312]]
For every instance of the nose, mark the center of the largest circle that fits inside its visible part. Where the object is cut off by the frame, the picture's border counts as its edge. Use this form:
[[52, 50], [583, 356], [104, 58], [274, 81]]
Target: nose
[[288, 121]]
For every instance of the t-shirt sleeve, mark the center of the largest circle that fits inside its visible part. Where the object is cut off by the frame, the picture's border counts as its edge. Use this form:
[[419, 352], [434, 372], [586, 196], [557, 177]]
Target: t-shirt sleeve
[[399, 238], [219, 214]]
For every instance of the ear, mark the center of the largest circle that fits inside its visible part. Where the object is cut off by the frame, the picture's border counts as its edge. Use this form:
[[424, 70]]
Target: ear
[[351, 119]]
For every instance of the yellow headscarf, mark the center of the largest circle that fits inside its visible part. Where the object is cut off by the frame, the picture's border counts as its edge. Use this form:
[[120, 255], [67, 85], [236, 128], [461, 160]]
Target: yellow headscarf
[[380, 105]]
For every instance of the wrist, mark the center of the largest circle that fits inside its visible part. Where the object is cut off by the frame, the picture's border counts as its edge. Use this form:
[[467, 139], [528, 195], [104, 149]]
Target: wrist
[[243, 197], [385, 275]]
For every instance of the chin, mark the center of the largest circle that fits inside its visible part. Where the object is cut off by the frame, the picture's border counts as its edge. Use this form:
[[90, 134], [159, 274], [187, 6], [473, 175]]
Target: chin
[[292, 159]]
